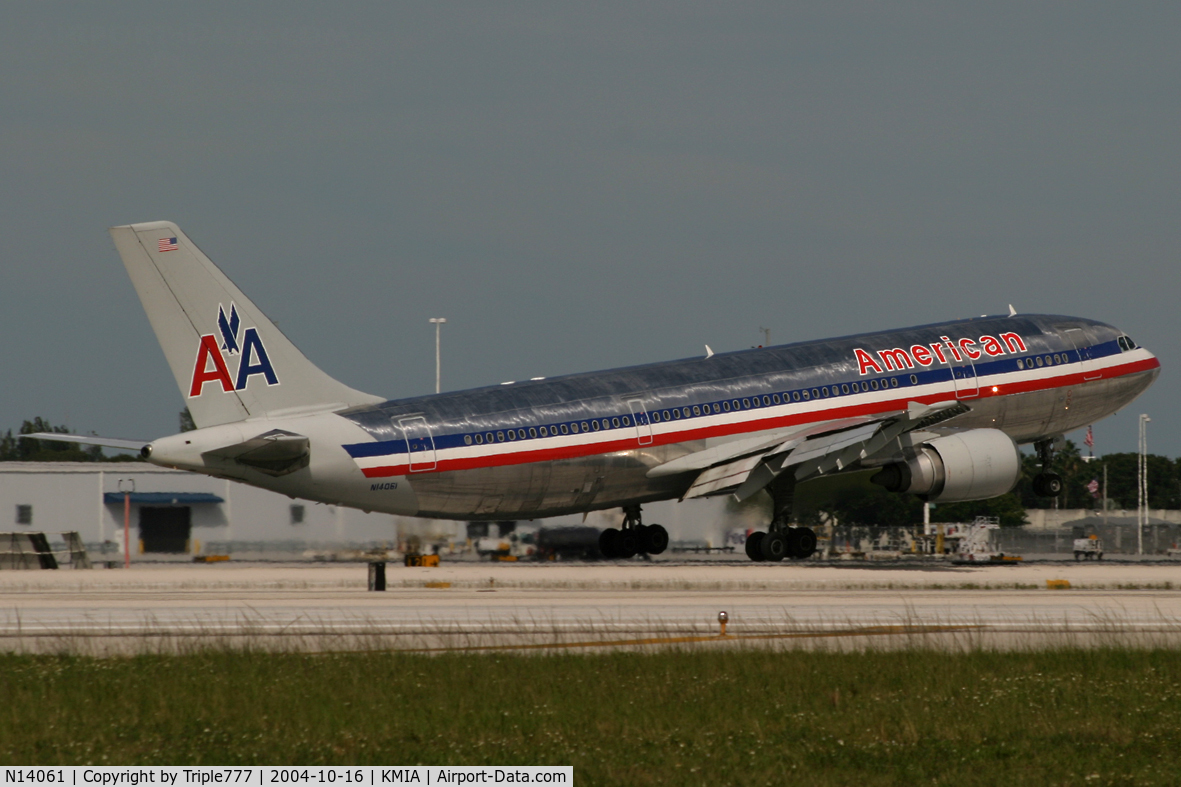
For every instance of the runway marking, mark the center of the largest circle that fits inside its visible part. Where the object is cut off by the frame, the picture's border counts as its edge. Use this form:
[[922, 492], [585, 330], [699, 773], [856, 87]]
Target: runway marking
[[868, 631]]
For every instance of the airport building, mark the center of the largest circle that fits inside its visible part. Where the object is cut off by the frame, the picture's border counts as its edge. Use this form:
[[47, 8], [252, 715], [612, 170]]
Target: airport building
[[175, 512]]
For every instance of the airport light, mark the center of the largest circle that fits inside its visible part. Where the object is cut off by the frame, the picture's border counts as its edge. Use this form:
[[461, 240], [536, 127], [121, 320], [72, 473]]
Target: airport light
[[437, 321], [1142, 484], [722, 618], [126, 486]]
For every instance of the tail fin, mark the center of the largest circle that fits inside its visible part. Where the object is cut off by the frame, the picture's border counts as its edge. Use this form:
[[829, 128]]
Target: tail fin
[[229, 360]]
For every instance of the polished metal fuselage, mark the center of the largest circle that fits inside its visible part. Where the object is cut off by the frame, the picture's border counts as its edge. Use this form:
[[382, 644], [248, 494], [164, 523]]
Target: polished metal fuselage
[[1092, 383]]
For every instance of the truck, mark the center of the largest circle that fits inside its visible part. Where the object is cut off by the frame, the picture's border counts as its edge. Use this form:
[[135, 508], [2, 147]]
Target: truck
[[1090, 548]]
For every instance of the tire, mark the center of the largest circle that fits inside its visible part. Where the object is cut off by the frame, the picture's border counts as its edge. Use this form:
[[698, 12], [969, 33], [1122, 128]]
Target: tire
[[626, 545], [804, 543], [754, 546], [655, 539], [1047, 485], [1078, 556], [774, 546], [641, 534], [608, 543], [1099, 556]]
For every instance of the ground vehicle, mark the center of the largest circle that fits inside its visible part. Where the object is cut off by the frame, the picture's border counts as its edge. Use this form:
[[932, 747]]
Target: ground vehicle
[[1090, 548]]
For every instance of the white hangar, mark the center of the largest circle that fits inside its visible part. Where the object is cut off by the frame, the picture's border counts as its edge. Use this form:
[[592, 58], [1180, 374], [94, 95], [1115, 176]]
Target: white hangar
[[177, 512]]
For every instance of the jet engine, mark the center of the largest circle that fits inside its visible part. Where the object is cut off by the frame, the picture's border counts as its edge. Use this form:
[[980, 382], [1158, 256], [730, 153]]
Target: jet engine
[[972, 465]]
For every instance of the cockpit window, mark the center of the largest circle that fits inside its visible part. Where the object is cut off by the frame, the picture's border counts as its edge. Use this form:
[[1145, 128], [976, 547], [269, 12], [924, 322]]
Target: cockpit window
[[1126, 343]]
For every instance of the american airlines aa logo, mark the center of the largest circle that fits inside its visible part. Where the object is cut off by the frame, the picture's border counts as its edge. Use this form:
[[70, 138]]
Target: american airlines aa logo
[[211, 363]]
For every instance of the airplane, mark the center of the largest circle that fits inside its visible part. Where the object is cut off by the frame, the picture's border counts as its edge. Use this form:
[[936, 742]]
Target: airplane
[[937, 411]]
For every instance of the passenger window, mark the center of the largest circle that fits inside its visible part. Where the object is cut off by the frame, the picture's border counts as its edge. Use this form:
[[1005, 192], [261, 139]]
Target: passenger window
[[766, 401], [686, 411], [717, 407], [735, 403], [544, 432], [775, 398], [1039, 361], [696, 410], [726, 406], [746, 404], [606, 424], [512, 435], [856, 387], [807, 396], [873, 384], [627, 421], [893, 382], [467, 439], [500, 437], [595, 426], [585, 426], [1020, 364], [676, 414], [844, 388], [666, 415], [656, 417], [479, 439], [824, 391], [533, 431], [914, 379], [565, 430], [815, 393], [615, 422], [795, 396], [521, 433]]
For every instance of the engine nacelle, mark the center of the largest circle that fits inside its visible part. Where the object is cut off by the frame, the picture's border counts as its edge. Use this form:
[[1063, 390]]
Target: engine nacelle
[[973, 465]]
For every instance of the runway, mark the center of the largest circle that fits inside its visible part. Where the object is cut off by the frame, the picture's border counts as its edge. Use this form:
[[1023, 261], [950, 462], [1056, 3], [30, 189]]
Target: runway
[[180, 607]]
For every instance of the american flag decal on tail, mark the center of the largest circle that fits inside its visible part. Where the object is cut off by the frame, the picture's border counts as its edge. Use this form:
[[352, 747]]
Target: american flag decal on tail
[[167, 244]]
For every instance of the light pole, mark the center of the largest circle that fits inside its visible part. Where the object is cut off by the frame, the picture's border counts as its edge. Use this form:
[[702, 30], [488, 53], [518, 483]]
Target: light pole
[[1142, 490], [127, 487], [437, 321]]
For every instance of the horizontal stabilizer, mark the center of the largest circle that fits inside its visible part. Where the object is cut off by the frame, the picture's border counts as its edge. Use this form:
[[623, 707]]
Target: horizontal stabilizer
[[109, 442]]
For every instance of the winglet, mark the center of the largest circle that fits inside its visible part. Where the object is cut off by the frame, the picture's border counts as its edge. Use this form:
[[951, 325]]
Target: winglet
[[708, 352], [1012, 311]]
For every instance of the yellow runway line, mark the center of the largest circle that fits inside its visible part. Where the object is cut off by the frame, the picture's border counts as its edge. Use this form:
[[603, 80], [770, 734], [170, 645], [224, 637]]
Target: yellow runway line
[[867, 631]]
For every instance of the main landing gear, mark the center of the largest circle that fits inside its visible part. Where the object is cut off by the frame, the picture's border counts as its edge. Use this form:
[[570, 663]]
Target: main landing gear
[[1046, 483], [633, 538], [781, 539]]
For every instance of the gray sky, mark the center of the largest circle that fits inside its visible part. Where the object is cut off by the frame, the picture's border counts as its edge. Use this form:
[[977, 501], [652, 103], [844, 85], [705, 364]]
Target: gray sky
[[579, 187]]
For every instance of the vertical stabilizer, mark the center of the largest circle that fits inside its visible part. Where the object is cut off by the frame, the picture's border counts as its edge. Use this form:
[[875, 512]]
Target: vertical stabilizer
[[229, 360]]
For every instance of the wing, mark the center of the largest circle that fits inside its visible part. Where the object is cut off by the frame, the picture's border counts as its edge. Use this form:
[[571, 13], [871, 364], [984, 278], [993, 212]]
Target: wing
[[823, 448]]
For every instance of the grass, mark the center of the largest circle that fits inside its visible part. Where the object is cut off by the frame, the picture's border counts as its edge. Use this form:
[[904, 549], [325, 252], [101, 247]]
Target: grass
[[1052, 717]]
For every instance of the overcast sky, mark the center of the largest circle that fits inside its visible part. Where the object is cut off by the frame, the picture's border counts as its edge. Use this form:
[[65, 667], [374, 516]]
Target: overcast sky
[[579, 186]]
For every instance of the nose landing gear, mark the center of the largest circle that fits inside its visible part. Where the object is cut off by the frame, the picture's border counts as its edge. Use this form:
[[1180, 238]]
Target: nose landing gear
[[633, 538], [1046, 483]]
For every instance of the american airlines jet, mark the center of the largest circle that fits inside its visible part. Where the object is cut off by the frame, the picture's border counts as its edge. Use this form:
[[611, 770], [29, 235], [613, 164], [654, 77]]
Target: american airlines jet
[[938, 410]]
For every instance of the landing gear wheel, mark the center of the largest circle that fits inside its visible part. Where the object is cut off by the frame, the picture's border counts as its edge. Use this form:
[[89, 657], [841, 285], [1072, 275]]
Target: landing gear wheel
[[641, 534], [625, 545], [774, 546], [1047, 484], [754, 546], [655, 539], [803, 543], [608, 543]]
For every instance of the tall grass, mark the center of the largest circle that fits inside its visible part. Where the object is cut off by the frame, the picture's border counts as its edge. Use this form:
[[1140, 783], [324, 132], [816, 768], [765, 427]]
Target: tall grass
[[1065, 716]]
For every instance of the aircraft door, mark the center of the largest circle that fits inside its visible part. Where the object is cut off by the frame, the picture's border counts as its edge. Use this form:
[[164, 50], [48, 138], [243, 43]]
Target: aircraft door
[[1082, 343], [964, 376], [420, 443], [642, 423]]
